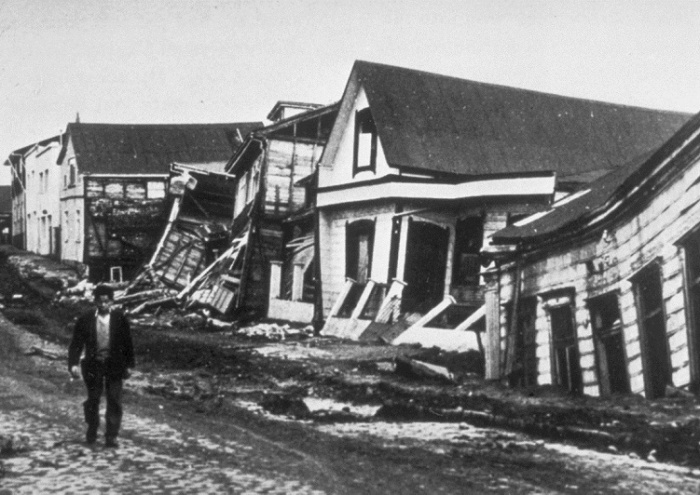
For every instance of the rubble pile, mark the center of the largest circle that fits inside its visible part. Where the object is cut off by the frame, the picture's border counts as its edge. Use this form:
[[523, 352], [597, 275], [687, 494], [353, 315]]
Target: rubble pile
[[273, 331]]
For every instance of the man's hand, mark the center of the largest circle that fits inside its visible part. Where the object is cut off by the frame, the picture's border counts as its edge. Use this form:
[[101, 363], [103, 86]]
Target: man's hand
[[75, 371]]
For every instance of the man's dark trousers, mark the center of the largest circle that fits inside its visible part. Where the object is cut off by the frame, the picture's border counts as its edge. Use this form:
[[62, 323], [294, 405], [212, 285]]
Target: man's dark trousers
[[97, 378]]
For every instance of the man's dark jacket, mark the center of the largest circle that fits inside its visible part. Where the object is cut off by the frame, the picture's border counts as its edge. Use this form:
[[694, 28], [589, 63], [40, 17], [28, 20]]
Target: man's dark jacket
[[121, 348]]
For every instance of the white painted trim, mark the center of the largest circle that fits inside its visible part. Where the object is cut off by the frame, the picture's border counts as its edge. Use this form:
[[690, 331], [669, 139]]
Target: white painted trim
[[122, 176], [515, 186]]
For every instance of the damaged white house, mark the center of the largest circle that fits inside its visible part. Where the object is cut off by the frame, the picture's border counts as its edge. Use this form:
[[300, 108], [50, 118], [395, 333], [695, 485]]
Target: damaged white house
[[420, 168], [601, 293]]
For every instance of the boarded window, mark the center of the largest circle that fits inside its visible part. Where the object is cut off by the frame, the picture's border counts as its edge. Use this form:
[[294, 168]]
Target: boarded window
[[136, 191], [365, 153], [114, 190], [156, 189], [652, 326], [609, 344]]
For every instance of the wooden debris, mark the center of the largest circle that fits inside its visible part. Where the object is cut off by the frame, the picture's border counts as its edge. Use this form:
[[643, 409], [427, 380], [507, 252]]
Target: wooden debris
[[38, 351], [411, 367], [152, 304]]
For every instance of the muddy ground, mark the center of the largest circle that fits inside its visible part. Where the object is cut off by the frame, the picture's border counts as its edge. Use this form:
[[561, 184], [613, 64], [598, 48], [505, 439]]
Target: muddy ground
[[217, 373]]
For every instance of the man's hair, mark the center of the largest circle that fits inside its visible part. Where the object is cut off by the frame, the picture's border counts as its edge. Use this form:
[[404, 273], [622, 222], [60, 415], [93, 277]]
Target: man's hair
[[103, 290]]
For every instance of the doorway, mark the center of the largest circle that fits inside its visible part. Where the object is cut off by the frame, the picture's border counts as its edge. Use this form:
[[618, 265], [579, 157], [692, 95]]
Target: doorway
[[652, 325], [426, 261]]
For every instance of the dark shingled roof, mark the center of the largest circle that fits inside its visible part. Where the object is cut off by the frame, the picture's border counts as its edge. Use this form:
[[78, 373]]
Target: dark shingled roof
[[151, 148], [444, 124], [614, 186]]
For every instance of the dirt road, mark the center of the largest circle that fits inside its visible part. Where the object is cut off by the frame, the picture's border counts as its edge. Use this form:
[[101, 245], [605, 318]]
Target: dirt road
[[172, 445]]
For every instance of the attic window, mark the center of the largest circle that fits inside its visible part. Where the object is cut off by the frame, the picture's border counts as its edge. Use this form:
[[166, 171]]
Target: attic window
[[365, 156], [71, 172]]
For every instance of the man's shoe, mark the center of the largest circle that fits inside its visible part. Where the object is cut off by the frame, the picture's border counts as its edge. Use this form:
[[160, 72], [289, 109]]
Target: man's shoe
[[90, 438], [111, 443]]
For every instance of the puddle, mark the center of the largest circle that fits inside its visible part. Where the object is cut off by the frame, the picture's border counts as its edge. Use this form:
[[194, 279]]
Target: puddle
[[317, 404]]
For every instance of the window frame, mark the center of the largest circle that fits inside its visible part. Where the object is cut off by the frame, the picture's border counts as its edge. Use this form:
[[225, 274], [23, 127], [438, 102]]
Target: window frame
[[364, 124]]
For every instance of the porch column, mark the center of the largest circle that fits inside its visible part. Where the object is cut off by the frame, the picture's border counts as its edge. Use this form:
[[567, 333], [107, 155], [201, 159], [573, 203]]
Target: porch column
[[492, 353], [298, 281], [275, 279]]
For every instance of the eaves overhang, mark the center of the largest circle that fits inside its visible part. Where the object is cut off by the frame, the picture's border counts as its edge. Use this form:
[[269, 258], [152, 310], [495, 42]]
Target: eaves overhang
[[510, 187]]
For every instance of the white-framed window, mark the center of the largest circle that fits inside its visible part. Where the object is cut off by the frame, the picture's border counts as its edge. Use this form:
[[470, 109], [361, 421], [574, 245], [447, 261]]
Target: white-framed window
[[68, 233], [115, 274], [78, 231], [71, 172]]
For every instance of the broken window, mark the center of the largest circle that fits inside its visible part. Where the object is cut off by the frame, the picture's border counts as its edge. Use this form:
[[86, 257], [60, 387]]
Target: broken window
[[469, 234], [365, 156], [359, 242], [652, 330], [567, 366], [609, 344]]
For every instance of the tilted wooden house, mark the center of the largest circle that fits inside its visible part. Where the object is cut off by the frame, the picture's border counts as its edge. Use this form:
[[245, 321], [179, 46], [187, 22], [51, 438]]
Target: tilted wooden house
[[113, 189], [267, 267], [599, 294], [420, 168]]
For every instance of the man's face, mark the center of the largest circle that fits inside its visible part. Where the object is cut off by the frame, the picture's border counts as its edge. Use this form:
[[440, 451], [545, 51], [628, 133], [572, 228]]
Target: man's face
[[103, 303]]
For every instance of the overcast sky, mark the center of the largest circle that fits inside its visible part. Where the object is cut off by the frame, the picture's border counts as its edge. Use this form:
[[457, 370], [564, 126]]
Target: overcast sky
[[194, 61]]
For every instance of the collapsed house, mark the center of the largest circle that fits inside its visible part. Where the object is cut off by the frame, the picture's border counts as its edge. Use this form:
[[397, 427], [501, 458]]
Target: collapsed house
[[113, 192], [599, 294], [241, 237], [421, 168]]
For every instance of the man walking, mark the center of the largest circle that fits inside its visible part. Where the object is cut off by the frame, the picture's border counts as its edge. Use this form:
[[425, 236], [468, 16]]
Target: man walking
[[105, 336]]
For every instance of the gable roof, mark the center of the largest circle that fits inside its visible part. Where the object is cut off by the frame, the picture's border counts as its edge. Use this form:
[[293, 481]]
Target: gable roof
[[151, 148], [23, 151], [578, 211], [444, 124]]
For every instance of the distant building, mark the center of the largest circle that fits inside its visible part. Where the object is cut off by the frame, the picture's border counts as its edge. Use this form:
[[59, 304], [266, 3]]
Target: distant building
[[34, 191], [113, 187], [5, 214]]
